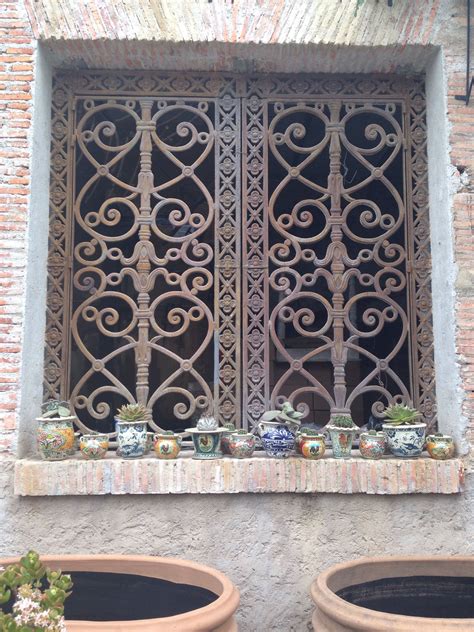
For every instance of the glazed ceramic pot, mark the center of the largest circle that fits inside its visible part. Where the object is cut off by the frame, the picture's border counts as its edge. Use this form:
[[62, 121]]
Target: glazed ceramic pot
[[131, 438], [341, 440], [241, 446], [207, 443], [225, 440], [440, 447], [405, 441], [173, 594], [277, 439], [312, 446], [167, 446], [401, 594], [94, 446], [372, 446], [55, 438]]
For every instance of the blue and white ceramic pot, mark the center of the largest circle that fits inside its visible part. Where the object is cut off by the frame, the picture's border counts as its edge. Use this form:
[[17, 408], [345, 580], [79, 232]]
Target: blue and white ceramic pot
[[277, 439], [131, 438], [405, 441]]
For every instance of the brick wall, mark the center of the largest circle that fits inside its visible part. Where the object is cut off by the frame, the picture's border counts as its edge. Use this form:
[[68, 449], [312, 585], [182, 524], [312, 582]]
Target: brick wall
[[16, 75]]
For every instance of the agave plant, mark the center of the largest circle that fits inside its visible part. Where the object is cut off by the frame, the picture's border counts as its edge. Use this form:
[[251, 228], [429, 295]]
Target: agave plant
[[287, 415], [54, 409], [132, 412], [342, 421], [400, 415]]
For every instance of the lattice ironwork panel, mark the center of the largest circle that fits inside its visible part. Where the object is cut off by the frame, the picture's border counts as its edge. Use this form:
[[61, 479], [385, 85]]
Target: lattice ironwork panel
[[337, 262], [157, 253], [151, 241]]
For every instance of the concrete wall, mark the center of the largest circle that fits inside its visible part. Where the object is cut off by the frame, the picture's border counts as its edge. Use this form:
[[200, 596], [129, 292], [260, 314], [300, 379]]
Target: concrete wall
[[270, 545]]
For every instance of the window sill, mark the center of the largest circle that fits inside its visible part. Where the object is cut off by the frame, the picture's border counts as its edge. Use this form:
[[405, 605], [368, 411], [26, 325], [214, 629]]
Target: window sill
[[260, 474]]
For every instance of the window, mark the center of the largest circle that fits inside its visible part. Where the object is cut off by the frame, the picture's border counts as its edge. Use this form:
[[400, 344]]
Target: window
[[236, 241]]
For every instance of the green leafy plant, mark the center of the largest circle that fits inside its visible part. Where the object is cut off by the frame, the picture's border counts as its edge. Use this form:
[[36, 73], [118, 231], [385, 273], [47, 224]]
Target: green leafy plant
[[400, 415], [342, 421], [55, 409], [38, 595], [287, 415], [132, 412], [309, 432]]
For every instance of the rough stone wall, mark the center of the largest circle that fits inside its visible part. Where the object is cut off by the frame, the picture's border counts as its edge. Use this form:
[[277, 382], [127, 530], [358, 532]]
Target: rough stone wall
[[271, 546]]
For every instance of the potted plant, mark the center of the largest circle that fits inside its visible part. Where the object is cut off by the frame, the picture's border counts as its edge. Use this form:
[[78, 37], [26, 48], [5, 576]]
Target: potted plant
[[342, 431], [131, 425], [372, 444], [207, 437], [440, 446], [405, 436], [312, 444], [94, 446], [167, 445], [277, 430], [241, 444], [55, 433], [299, 433], [33, 595]]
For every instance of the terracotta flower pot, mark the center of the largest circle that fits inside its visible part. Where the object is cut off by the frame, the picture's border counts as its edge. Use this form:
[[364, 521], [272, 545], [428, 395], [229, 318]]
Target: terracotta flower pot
[[142, 572], [399, 594]]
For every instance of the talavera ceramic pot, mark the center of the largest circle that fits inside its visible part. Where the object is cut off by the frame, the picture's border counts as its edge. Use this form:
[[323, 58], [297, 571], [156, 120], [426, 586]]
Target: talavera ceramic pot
[[341, 441], [396, 594], [241, 446], [372, 446], [207, 443], [440, 447], [131, 438], [277, 439], [405, 441], [55, 438], [94, 446], [312, 446], [167, 446], [89, 610]]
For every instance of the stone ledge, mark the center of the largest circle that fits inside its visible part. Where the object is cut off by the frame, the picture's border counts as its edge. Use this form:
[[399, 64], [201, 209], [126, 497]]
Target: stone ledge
[[260, 474]]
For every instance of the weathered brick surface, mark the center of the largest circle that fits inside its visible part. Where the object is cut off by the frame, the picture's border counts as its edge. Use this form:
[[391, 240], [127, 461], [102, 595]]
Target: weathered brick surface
[[16, 73], [76, 477]]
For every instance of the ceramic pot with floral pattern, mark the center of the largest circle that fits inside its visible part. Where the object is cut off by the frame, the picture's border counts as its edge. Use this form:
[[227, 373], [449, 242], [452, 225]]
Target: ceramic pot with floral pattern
[[241, 444], [94, 446], [341, 441], [372, 444], [167, 445], [131, 438], [312, 446], [440, 446], [55, 437], [228, 431]]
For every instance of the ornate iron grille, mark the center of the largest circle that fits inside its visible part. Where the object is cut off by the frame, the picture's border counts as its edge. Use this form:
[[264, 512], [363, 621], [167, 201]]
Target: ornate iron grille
[[144, 294]]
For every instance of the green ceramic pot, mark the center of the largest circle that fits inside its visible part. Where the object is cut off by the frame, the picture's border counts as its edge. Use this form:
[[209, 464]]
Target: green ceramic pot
[[207, 443]]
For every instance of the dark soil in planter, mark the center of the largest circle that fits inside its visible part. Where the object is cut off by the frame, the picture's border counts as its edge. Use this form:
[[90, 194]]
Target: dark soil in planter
[[122, 597], [419, 596]]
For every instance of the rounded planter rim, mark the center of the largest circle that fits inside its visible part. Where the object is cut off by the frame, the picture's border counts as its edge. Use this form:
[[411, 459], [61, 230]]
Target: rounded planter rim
[[55, 419], [211, 617], [404, 427], [351, 617]]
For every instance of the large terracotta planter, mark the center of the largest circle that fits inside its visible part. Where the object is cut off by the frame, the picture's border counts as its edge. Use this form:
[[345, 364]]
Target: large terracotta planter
[[399, 594], [217, 616]]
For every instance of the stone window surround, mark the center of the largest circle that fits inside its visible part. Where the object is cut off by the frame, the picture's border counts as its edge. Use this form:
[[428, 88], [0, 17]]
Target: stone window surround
[[413, 476]]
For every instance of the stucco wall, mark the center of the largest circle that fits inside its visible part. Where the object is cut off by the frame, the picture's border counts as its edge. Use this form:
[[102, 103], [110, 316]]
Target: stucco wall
[[270, 545]]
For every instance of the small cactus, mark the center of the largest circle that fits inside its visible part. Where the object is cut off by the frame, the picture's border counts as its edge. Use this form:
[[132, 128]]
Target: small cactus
[[132, 412], [342, 421]]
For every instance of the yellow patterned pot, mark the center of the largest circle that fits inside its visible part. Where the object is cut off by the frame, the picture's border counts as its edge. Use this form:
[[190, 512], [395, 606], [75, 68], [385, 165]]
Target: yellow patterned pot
[[94, 446], [312, 446], [55, 438], [167, 446], [440, 447]]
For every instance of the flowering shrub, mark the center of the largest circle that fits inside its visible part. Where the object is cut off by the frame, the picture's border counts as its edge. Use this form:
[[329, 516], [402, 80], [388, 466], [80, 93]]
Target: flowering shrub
[[38, 596]]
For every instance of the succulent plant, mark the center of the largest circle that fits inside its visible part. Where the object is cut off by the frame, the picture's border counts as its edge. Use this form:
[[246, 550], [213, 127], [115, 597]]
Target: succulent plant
[[229, 427], [207, 422], [309, 432], [400, 415], [342, 421], [242, 431], [287, 415], [132, 412], [55, 409]]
